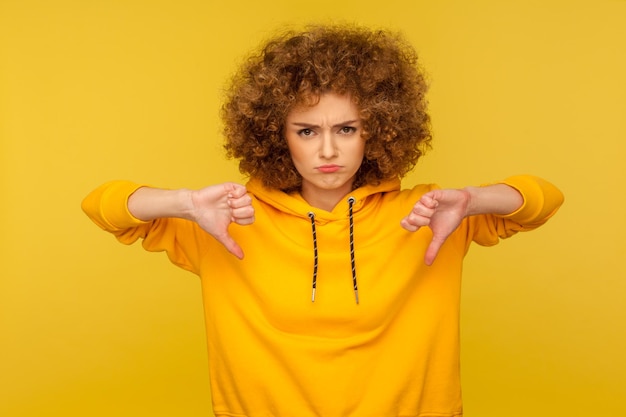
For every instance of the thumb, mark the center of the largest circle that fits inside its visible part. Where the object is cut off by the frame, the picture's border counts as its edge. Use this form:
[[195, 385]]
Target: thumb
[[433, 250], [230, 245]]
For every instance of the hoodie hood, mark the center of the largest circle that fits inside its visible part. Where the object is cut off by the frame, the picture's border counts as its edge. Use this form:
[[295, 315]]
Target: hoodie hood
[[295, 205]]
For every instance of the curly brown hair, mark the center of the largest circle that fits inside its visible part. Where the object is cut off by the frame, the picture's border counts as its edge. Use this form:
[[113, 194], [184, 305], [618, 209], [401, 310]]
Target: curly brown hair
[[377, 68]]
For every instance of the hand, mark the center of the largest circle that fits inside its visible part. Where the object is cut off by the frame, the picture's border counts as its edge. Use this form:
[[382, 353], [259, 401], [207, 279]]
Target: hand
[[215, 207], [442, 211]]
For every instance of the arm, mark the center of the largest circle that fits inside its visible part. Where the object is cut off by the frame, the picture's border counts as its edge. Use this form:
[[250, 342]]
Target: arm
[[527, 201], [213, 208], [499, 199], [443, 210], [147, 204]]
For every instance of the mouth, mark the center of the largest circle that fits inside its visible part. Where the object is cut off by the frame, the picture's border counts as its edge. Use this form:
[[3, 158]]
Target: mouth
[[327, 169]]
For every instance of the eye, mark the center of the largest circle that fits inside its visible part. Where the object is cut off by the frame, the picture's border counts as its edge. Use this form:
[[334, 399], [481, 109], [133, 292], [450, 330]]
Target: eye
[[305, 132], [346, 130]]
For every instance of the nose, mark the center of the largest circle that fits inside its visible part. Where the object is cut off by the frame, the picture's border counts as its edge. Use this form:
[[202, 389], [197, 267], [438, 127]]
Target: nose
[[328, 147]]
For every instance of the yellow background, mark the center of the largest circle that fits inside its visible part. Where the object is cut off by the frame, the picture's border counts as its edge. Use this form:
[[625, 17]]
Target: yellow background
[[92, 90]]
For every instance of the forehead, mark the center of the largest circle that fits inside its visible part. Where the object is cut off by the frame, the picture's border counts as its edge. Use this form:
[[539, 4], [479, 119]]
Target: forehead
[[327, 105]]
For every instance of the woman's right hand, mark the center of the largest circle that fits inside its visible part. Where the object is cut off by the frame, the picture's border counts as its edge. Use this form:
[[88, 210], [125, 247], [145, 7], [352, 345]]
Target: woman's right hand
[[215, 207]]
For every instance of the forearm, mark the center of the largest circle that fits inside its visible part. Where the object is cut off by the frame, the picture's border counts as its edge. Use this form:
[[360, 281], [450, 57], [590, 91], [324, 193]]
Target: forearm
[[498, 199], [151, 203]]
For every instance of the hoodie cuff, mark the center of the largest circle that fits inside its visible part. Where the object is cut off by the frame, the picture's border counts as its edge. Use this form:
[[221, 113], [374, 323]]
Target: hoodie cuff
[[534, 191], [111, 201]]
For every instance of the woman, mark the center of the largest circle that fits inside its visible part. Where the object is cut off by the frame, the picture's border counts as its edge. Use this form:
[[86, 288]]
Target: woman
[[331, 312]]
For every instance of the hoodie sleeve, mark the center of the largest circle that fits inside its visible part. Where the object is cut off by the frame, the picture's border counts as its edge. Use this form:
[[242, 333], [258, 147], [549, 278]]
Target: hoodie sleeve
[[107, 207], [541, 201]]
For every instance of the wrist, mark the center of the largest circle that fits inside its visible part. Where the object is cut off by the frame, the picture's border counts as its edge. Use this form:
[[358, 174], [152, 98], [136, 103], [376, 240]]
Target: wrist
[[471, 200], [187, 205]]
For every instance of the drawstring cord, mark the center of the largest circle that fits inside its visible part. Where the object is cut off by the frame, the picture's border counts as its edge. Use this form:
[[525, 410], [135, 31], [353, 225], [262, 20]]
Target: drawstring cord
[[311, 215], [351, 201]]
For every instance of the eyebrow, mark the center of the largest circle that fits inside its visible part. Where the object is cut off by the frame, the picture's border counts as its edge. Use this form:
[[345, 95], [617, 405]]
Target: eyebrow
[[310, 125]]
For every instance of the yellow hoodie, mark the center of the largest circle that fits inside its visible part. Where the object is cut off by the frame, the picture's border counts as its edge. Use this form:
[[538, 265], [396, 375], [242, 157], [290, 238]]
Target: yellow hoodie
[[275, 352]]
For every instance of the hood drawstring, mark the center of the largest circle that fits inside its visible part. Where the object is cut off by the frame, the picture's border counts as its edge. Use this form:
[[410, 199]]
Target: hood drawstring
[[351, 201], [311, 215], [313, 231]]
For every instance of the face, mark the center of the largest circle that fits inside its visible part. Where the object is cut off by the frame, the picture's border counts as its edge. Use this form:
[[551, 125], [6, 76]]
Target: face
[[326, 148]]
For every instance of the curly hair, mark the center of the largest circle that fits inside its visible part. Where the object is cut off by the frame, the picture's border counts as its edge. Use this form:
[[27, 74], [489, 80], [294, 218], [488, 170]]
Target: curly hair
[[378, 69]]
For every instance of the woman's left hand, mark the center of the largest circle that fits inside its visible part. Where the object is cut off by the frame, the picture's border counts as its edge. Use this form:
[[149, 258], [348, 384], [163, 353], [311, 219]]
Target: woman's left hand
[[442, 211]]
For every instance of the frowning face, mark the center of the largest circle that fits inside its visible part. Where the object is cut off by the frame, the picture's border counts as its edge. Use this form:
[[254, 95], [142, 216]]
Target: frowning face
[[326, 148]]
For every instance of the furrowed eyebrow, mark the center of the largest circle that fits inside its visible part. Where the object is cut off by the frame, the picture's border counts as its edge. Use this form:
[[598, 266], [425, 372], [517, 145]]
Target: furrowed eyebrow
[[312, 126]]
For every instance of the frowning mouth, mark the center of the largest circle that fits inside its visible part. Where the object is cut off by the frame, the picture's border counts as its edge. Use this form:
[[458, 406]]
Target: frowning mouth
[[327, 169]]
